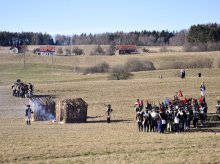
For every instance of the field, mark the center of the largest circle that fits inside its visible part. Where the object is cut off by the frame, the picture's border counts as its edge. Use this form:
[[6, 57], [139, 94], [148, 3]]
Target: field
[[96, 141]]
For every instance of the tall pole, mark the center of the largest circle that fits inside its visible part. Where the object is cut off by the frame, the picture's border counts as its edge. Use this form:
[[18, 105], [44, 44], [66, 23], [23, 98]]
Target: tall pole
[[24, 59], [71, 44], [52, 59], [24, 49], [71, 49]]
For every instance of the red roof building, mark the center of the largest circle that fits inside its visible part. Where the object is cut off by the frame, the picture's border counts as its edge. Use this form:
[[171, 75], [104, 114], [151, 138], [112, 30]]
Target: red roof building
[[126, 49], [47, 50]]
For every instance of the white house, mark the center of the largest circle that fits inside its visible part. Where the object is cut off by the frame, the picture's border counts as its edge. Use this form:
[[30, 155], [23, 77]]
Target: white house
[[47, 51]]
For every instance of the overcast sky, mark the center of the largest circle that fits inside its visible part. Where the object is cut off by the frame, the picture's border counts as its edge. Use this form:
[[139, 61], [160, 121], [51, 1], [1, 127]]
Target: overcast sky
[[98, 16]]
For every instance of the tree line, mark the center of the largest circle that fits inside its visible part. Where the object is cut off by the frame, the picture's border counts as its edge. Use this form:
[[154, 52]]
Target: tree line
[[139, 38], [197, 34], [204, 33], [28, 38]]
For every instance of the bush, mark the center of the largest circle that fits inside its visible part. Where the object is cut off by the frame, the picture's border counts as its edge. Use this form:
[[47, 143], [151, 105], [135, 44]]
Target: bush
[[77, 51], [60, 50], [135, 65], [36, 50], [99, 68], [198, 63], [187, 47], [201, 47], [111, 50], [145, 50], [213, 46], [68, 51], [119, 72], [98, 51]]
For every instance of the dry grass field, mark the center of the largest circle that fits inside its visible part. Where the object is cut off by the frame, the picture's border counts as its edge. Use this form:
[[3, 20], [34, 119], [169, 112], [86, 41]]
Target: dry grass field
[[96, 141]]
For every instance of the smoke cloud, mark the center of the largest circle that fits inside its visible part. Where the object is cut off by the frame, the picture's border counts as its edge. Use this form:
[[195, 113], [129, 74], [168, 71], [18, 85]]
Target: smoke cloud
[[42, 112]]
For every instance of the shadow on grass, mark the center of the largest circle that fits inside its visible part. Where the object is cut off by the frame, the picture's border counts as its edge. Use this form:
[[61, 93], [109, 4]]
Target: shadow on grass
[[93, 117], [213, 126], [211, 130], [105, 121], [42, 96], [91, 120]]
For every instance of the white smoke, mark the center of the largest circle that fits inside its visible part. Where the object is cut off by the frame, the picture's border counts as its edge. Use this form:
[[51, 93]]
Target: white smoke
[[41, 111]]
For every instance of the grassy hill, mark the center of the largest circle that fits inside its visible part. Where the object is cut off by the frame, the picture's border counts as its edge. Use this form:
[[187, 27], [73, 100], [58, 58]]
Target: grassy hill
[[96, 141]]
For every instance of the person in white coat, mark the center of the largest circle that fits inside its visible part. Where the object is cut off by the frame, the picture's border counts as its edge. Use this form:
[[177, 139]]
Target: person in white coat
[[202, 89], [177, 120]]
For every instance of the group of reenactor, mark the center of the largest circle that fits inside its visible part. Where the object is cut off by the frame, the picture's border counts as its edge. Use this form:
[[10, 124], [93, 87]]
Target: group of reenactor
[[173, 115], [20, 89]]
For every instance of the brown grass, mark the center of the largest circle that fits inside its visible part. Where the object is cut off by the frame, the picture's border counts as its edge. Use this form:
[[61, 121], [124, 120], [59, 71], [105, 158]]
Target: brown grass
[[194, 63], [97, 141], [218, 63]]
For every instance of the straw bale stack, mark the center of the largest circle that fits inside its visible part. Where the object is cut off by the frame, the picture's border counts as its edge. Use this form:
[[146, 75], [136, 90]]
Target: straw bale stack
[[71, 111]]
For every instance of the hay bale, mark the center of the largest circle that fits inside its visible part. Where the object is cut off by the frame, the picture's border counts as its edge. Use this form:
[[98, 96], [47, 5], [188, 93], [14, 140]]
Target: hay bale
[[44, 108], [71, 111]]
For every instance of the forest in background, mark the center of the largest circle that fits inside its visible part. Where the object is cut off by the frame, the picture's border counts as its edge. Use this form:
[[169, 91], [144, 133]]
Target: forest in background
[[204, 36]]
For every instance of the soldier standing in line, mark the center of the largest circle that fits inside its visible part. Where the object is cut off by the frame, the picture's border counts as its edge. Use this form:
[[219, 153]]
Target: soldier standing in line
[[30, 90]]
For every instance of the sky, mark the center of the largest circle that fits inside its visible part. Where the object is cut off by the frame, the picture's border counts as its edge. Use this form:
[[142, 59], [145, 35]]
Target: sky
[[70, 17]]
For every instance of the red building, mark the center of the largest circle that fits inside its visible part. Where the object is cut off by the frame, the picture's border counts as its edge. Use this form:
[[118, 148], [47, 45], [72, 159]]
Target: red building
[[47, 51], [127, 49]]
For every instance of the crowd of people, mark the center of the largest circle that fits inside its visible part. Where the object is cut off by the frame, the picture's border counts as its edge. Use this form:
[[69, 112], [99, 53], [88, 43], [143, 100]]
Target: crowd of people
[[20, 89], [172, 115]]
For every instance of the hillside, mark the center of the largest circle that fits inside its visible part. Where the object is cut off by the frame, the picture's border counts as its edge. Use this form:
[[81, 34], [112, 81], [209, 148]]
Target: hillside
[[96, 141]]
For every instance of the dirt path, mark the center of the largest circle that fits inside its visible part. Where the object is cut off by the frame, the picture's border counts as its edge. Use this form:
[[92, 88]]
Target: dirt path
[[11, 108]]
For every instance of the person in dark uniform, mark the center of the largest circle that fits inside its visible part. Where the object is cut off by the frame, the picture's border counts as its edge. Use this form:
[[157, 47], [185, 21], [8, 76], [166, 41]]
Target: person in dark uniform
[[28, 115], [31, 87], [195, 118], [163, 118], [108, 113]]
